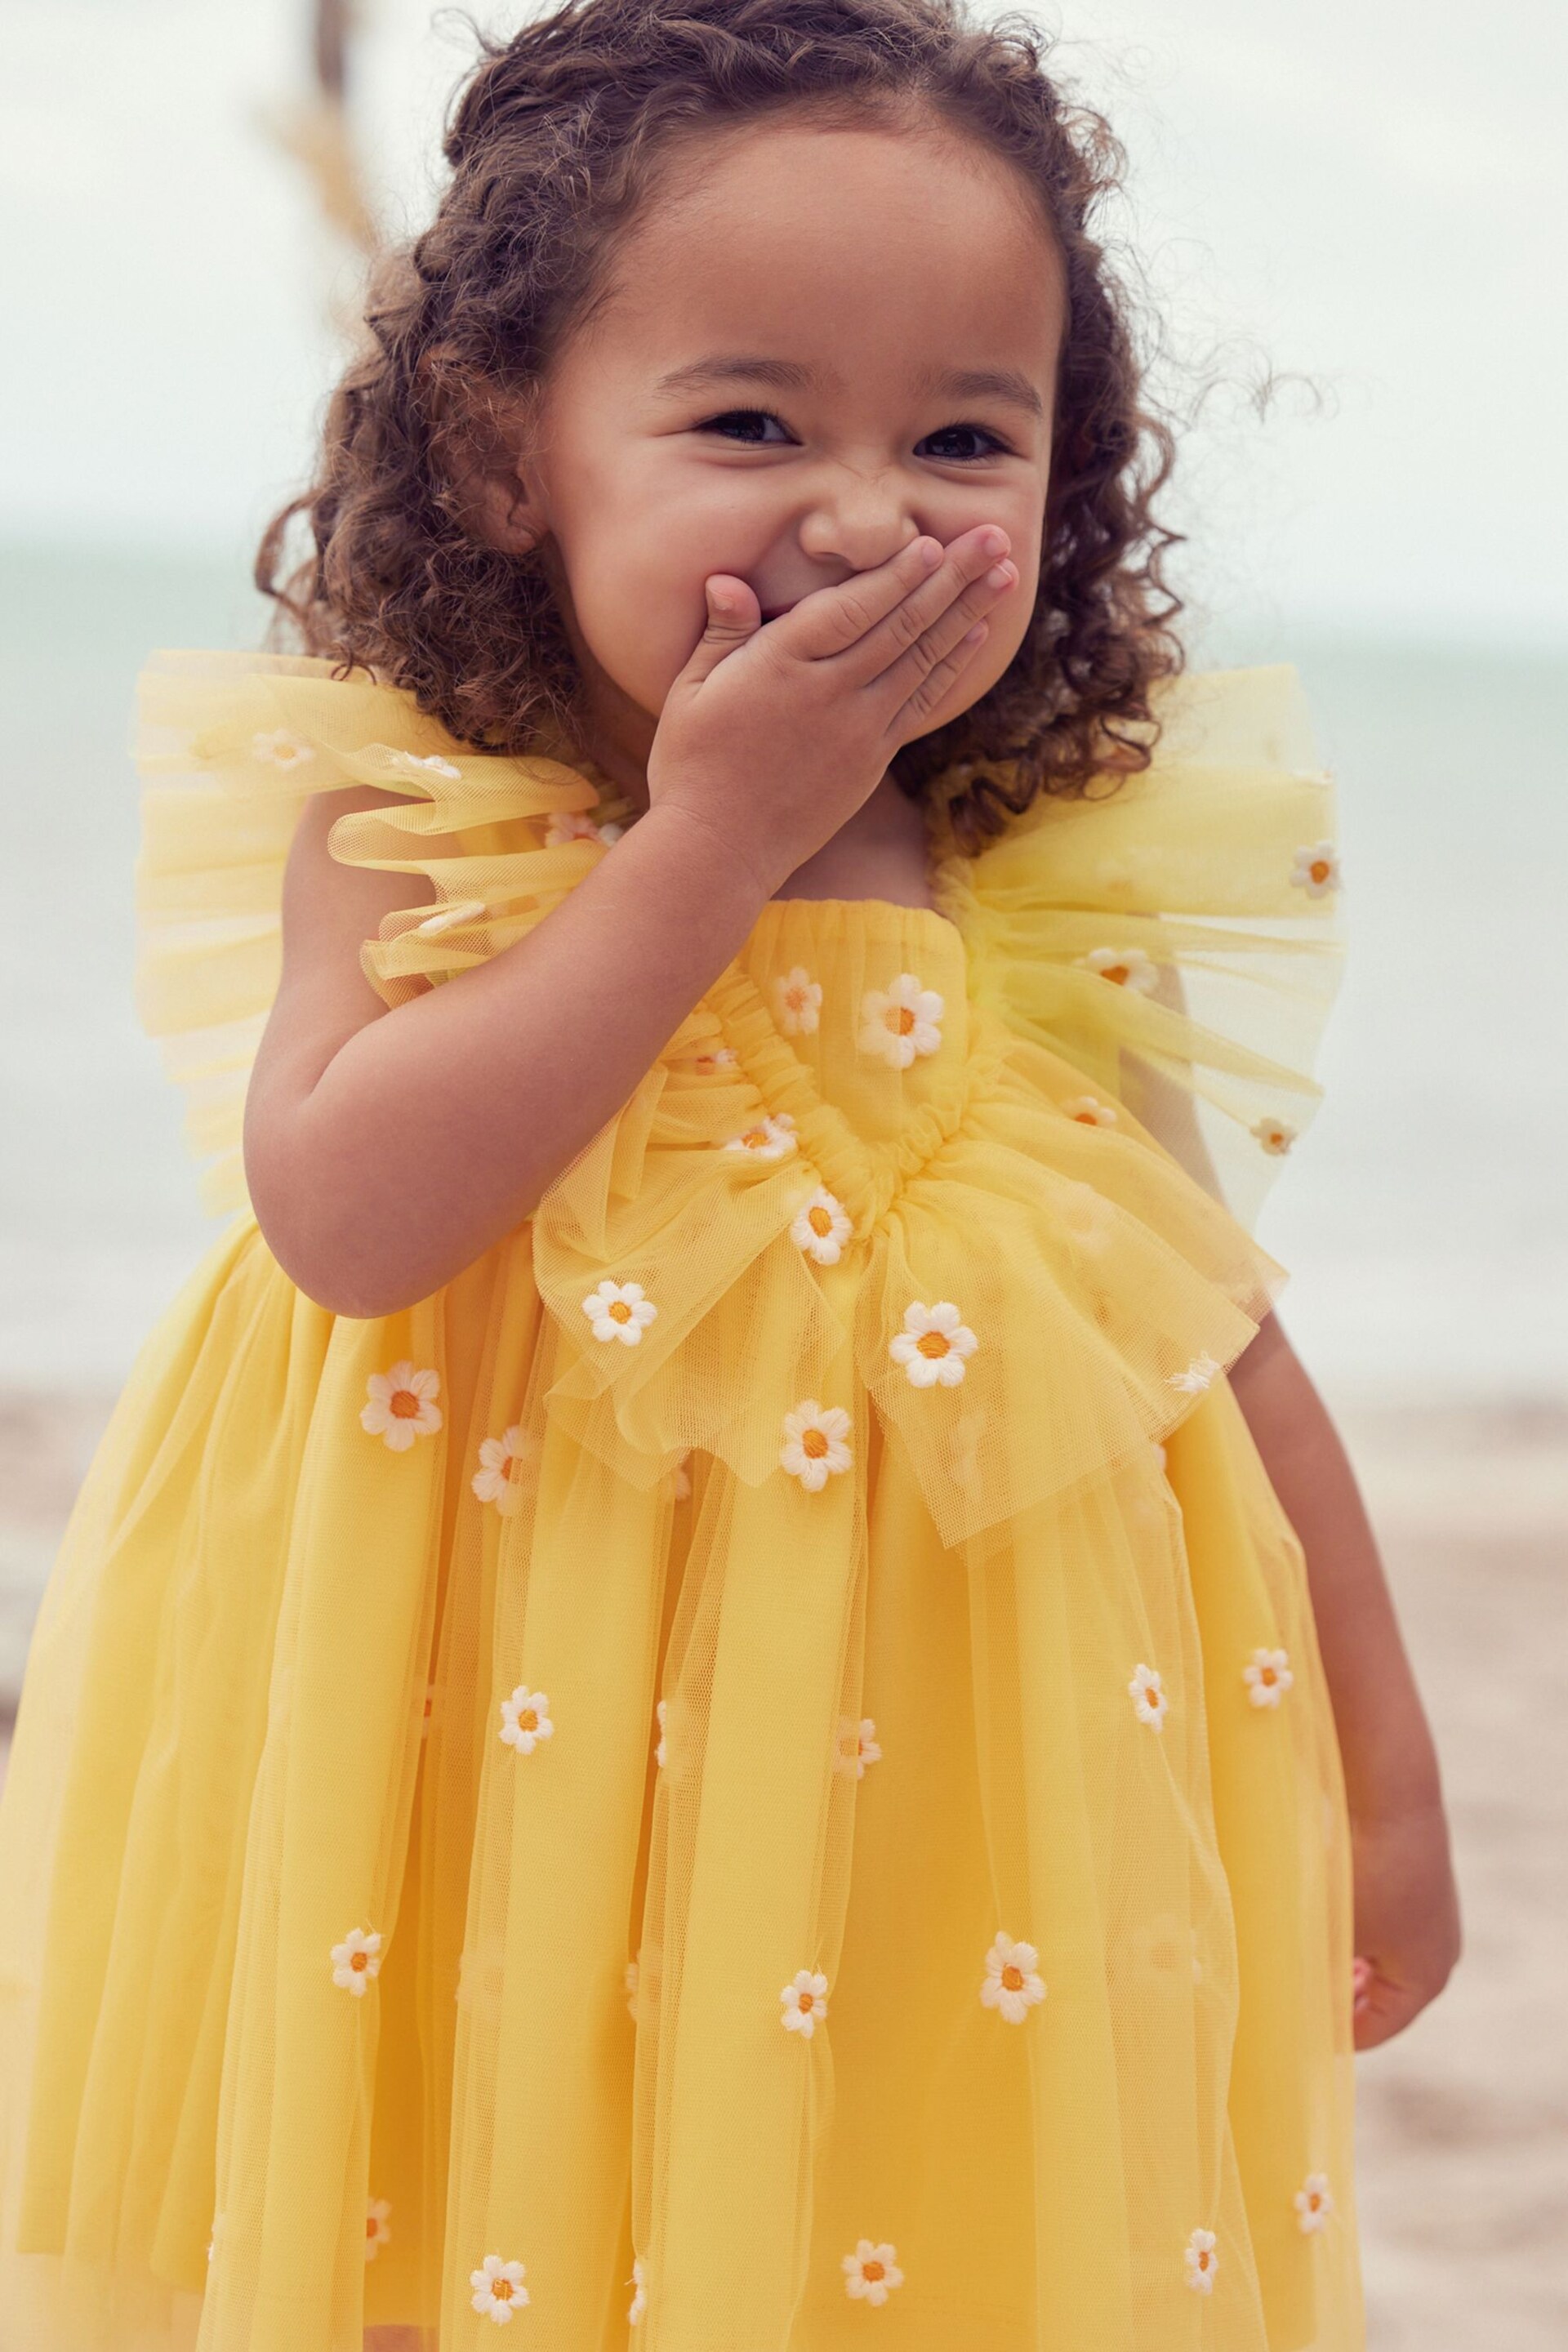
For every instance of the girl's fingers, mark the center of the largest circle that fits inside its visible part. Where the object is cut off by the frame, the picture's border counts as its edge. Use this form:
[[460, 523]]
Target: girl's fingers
[[957, 593], [904, 679], [831, 620], [914, 717]]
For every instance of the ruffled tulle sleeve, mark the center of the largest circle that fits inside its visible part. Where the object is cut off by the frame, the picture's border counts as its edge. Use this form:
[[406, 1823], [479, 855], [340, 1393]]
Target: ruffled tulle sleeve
[[229, 748], [1178, 939]]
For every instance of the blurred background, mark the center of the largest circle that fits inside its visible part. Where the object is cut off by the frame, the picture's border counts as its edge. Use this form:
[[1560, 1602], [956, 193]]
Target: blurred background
[[1363, 197]]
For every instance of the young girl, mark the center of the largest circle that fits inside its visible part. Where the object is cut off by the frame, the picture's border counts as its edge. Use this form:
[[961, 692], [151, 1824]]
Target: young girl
[[682, 1699]]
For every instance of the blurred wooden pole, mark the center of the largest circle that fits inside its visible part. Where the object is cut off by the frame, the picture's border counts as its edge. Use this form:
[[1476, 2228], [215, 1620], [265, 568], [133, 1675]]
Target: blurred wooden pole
[[316, 130]]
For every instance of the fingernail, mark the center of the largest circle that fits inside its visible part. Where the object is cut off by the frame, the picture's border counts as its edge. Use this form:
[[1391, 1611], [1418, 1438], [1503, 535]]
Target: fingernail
[[993, 542], [931, 553], [1001, 575]]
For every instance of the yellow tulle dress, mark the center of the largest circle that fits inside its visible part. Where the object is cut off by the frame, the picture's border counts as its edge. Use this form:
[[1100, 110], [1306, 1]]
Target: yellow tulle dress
[[754, 1775]]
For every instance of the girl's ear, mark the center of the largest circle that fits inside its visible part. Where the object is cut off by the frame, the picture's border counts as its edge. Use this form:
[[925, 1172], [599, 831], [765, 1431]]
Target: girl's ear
[[481, 444]]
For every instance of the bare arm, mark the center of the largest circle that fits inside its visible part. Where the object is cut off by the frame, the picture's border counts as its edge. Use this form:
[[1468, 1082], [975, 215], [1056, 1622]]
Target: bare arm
[[386, 1151], [1408, 1924]]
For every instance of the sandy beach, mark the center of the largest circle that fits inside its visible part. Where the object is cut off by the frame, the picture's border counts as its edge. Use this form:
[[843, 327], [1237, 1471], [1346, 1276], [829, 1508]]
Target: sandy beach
[[1464, 2119]]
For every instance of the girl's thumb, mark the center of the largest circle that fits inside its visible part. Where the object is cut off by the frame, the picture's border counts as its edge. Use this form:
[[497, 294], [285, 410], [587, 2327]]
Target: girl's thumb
[[733, 616]]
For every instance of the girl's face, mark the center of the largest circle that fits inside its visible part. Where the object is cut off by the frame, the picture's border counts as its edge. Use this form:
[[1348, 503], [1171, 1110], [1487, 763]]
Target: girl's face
[[817, 346]]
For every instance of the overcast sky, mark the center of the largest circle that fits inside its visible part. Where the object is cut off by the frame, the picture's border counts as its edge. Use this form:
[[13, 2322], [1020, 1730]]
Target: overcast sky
[[1369, 195]]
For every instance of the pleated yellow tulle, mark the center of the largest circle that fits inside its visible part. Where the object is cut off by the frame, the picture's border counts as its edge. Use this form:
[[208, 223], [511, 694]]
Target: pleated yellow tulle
[[755, 1773]]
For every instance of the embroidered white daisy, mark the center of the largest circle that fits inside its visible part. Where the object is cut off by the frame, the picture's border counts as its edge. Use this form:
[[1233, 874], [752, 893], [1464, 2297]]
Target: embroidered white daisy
[[1149, 1698], [768, 1137], [661, 1750], [932, 1344], [377, 2230], [900, 1022], [525, 1719], [803, 2002], [449, 917], [858, 1746], [1268, 1677], [798, 1002], [355, 1961], [1314, 2205], [1197, 1377], [871, 2272], [402, 1406], [638, 2284], [722, 1057], [1276, 1135], [817, 1444], [216, 2233], [1201, 2260], [281, 749], [1127, 968], [498, 2290], [633, 1979], [1089, 1111], [432, 764], [619, 1310], [822, 1228], [1316, 869], [1013, 1982], [504, 1462], [573, 825]]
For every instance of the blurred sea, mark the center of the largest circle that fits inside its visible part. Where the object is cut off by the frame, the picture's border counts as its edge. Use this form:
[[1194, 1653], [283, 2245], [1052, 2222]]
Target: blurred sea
[[1422, 1219]]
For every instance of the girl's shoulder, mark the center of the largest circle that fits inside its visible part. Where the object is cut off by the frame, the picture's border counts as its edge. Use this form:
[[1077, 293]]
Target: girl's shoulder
[[1177, 936]]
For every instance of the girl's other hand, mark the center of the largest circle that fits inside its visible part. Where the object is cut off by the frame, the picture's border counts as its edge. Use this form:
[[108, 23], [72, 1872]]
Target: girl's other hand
[[773, 735], [1406, 1921]]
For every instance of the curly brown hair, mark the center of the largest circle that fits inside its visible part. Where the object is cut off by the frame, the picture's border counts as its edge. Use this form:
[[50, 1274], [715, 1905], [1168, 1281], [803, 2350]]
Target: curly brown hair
[[553, 143]]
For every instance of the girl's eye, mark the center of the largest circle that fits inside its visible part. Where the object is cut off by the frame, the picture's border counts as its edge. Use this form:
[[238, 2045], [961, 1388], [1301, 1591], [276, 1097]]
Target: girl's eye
[[960, 435], [749, 425]]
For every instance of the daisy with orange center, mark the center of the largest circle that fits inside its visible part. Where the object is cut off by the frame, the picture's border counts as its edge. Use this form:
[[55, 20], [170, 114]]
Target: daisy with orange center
[[355, 1962], [497, 2289], [932, 1344], [281, 749], [900, 1022], [858, 1746], [1268, 1677], [1314, 2205], [817, 1444], [1275, 1135], [504, 1463], [525, 1719], [1147, 1693], [871, 2272], [803, 2002], [1013, 1983], [377, 2230], [1316, 869], [797, 1001], [1127, 968], [619, 1310], [402, 1406], [1089, 1111], [822, 1227], [768, 1137], [1201, 2260]]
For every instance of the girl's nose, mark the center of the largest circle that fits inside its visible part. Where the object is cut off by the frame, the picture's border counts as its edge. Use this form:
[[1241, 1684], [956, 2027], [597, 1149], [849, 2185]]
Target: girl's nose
[[858, 521]]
